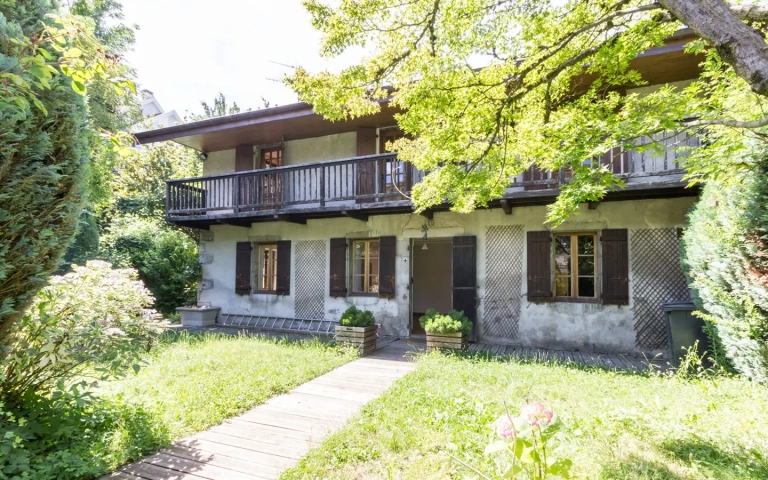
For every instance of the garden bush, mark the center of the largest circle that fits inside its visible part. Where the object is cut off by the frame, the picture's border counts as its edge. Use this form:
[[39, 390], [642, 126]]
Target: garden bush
[[166, 259], [442, 323], [726, 259], [354, 317]]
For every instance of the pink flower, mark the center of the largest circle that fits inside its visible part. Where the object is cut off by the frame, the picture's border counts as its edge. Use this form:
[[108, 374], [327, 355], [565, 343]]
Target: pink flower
[[536, 414], [504, 427]]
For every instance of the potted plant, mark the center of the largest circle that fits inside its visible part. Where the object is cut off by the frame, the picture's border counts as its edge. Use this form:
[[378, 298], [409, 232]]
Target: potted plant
[[198, 316], [357, 328], [446, 330]]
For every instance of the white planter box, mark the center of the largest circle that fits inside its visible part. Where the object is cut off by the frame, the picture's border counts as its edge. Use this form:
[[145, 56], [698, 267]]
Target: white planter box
[[198, 316]]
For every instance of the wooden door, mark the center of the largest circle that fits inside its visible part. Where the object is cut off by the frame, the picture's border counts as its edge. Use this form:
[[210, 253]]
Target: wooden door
[[270, 186], [365, 175], [395, 174], [465, 278]]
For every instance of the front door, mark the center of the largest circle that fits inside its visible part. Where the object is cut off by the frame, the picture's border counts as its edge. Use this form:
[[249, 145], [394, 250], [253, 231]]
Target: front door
[[270, 185], [465, 278]]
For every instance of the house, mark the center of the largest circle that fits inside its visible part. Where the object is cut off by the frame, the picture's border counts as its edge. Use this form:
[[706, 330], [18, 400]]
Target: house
[[158, 117], [302, 217]]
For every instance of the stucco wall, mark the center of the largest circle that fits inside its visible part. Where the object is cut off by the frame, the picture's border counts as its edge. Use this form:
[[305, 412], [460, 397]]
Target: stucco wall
[[329, 147], [219, 162], [564, 325]]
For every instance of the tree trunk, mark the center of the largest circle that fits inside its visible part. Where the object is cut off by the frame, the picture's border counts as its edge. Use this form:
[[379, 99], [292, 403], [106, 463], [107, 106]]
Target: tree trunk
[[738, 44]]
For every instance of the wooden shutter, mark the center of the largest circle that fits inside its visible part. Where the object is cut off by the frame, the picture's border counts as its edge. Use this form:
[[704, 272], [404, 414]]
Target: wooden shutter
[[387, 266], [243, 268], [615, 289], [243, 158], [338, 281], [465, 277], [539, 266], [366, 171], [283, 282]]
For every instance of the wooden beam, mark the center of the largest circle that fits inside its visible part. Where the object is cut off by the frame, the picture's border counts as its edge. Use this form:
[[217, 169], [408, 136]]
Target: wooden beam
[[593, 205], [291, 219], [428, 214], [237, 222], [506, 206], [363, 217]]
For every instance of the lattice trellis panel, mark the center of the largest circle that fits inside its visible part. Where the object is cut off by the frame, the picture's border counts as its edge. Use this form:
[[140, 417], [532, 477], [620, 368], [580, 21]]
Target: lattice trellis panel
[[309, 269], [657, 277], [503, 281]]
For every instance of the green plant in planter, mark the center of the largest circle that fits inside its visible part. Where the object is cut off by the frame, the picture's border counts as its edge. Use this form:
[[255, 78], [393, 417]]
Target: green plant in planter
[[354, 317], [442, 323]]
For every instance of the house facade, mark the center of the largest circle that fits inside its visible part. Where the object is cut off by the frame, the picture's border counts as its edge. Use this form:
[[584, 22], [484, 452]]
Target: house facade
[[301, 218]]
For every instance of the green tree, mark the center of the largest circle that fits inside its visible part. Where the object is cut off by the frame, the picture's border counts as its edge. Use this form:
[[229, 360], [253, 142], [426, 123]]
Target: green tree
[[491, 87], [46, 61], [726, 257], [219, 108]]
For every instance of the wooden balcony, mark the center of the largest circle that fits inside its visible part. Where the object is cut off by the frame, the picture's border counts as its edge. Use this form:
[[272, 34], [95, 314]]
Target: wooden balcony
[[380, 184]]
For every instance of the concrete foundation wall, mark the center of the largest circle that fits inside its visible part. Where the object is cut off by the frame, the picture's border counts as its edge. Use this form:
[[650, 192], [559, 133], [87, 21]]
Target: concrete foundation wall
[[558, 325]]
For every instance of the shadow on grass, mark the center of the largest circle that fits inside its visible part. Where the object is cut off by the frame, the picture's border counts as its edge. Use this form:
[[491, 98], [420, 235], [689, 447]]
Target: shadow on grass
[[732, 461], [636, 467]]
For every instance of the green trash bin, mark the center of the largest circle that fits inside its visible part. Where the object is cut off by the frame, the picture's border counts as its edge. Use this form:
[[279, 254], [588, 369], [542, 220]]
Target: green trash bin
[[684, 329]]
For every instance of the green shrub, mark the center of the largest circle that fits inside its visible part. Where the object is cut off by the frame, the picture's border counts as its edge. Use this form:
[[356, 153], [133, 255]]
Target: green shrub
[[451, 322], [166, 259], [93, 315], [726, 258], [354, 317]]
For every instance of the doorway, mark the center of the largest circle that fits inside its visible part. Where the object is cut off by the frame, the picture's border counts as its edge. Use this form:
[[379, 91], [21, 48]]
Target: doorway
[[431, 278]]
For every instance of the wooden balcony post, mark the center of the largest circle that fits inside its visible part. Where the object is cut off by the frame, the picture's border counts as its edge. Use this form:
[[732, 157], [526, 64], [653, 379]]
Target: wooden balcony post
[[322, 186], [236, 194], [167, 198]]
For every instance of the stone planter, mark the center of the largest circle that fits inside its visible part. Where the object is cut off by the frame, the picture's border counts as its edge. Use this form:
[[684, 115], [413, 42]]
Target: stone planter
[[198, 316], [456, 340], [362, 338]]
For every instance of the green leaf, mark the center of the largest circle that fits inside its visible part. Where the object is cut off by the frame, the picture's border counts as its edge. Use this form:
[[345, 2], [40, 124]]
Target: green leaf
[[78, 87], [495, 447], [74, 52], [136, 367]]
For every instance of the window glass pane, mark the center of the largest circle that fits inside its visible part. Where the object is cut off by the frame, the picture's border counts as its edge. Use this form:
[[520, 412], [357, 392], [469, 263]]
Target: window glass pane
[[587, 265], [359, 249], [373, 284], [373, 266], [267, 267], [374, 249], [586, 245], [586, 286], [358, 266], [563, 286], [562, 265], [563, 245], [358, 284]]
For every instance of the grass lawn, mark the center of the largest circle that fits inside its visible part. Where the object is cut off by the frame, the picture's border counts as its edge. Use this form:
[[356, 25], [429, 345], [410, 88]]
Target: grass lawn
[[193, 382], [617, 425]]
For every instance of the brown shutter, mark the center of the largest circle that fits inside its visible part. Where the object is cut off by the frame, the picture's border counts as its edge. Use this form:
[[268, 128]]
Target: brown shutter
[[615, 267], [387, 267], [366, 171], [338, 281], [539, 269], [283, 283], [243, 268], [464, 286]]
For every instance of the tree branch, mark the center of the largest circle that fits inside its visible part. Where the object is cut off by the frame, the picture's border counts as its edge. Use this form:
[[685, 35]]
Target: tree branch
[[726, 122]]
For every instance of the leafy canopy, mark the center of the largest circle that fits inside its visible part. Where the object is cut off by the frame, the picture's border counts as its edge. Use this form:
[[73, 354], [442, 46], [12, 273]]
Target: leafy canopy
[[488, 88]]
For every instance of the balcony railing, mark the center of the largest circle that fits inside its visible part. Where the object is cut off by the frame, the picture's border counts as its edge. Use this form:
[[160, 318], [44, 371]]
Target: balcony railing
[[378, 180]]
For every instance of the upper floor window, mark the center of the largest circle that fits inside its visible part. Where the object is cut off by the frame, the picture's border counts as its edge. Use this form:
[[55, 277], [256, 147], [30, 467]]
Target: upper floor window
[[365, 266], [271, 157], [575, 265], [267, 258]]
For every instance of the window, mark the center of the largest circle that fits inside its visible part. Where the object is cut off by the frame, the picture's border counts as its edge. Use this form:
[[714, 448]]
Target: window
[[575, 266], [365, 266], [267, 258]]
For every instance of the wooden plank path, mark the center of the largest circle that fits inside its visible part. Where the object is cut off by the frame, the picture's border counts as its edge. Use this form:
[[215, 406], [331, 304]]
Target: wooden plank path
[[272, 437]]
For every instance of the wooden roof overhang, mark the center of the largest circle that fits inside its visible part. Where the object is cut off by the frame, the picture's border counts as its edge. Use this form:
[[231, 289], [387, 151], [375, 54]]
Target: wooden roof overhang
[[665, 64]]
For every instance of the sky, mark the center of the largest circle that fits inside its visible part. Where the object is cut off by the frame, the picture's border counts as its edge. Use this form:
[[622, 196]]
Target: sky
[[190, 50]]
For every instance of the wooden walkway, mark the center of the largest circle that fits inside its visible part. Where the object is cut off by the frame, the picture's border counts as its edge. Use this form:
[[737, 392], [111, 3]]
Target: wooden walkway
[[272, 437]]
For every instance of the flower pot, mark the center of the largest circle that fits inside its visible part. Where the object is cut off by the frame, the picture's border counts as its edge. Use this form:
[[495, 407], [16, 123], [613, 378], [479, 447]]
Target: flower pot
[[198, 316], [362, 338], [456, 340]]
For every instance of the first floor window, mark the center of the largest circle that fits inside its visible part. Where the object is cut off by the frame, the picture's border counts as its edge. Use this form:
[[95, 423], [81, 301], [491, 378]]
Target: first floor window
[[575, 265], [365, 266], [267, 255]]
